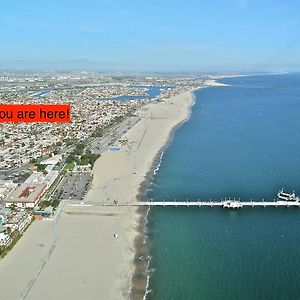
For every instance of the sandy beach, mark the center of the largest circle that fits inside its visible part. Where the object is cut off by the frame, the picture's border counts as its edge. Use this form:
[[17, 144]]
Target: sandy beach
[[118, 174], [78, 256], [212, 82]]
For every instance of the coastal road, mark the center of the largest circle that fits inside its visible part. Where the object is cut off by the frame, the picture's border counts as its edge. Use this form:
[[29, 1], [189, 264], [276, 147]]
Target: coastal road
[[102, 144]]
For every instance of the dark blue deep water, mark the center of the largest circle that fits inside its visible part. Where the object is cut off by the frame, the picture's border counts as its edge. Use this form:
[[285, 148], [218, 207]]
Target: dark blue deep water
[[241, 141]]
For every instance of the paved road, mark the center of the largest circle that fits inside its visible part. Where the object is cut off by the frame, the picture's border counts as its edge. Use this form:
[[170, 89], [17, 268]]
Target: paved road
[[101, 145]]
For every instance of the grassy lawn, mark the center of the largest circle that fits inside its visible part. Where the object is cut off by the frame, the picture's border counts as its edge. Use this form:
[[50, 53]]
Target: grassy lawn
[[69, 166]]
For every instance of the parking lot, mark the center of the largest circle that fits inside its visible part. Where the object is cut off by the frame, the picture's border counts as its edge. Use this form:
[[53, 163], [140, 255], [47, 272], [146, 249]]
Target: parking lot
[[73, 186]]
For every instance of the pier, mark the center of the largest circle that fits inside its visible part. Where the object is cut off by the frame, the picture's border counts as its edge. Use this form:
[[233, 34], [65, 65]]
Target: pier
[[233, 204], [225, 204]]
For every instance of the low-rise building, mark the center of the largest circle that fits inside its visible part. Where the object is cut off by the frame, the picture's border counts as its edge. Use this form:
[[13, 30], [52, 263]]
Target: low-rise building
[[26, 195], [52, 160], [5, 188], [18, 220], [35, 177], [4, 239]]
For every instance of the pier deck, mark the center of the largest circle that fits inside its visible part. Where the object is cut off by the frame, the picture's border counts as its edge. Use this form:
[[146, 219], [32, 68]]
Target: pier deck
[[225, 204]]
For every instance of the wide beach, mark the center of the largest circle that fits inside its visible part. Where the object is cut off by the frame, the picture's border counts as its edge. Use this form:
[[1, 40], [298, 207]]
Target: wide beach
[[121, 176], [89, 251]]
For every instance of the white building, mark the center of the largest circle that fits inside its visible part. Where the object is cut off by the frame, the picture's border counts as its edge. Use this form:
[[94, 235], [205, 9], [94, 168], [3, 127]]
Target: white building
[[52, 160], [5, 188], [18, 221], [34, 178], [4, 239]]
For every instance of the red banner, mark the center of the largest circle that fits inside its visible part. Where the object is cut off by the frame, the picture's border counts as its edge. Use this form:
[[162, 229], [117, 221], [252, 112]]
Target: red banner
[[29, 113]]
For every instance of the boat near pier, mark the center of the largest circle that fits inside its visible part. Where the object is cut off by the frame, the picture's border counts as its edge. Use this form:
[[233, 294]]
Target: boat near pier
[[281, 195]]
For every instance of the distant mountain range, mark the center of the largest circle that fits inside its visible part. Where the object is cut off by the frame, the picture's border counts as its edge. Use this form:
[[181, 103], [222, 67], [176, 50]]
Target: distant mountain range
[[89, 65]]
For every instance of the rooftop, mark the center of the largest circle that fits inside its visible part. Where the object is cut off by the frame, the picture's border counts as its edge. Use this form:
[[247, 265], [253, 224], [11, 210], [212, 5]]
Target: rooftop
[[26, 193]]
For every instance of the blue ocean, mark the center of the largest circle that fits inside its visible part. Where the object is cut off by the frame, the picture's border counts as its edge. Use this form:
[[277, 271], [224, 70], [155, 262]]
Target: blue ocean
[[241, 141]]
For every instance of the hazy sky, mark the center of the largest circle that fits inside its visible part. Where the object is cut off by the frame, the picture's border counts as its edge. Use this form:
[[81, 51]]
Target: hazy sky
[[153, 34]]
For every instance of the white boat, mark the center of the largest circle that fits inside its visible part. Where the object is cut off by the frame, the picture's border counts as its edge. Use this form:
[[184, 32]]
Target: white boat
[[281, 195]]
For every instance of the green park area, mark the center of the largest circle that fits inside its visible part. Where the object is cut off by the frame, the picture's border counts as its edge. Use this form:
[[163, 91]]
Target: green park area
[[69, 166], [81, 157]]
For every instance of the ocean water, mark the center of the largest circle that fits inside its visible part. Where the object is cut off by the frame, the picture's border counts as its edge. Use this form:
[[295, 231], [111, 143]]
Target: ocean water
[[241, 141]]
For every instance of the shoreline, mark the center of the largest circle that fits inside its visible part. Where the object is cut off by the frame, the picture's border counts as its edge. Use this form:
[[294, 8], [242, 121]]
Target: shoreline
[[132, 170], [217, 77], [141, 277], [214, 83]]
